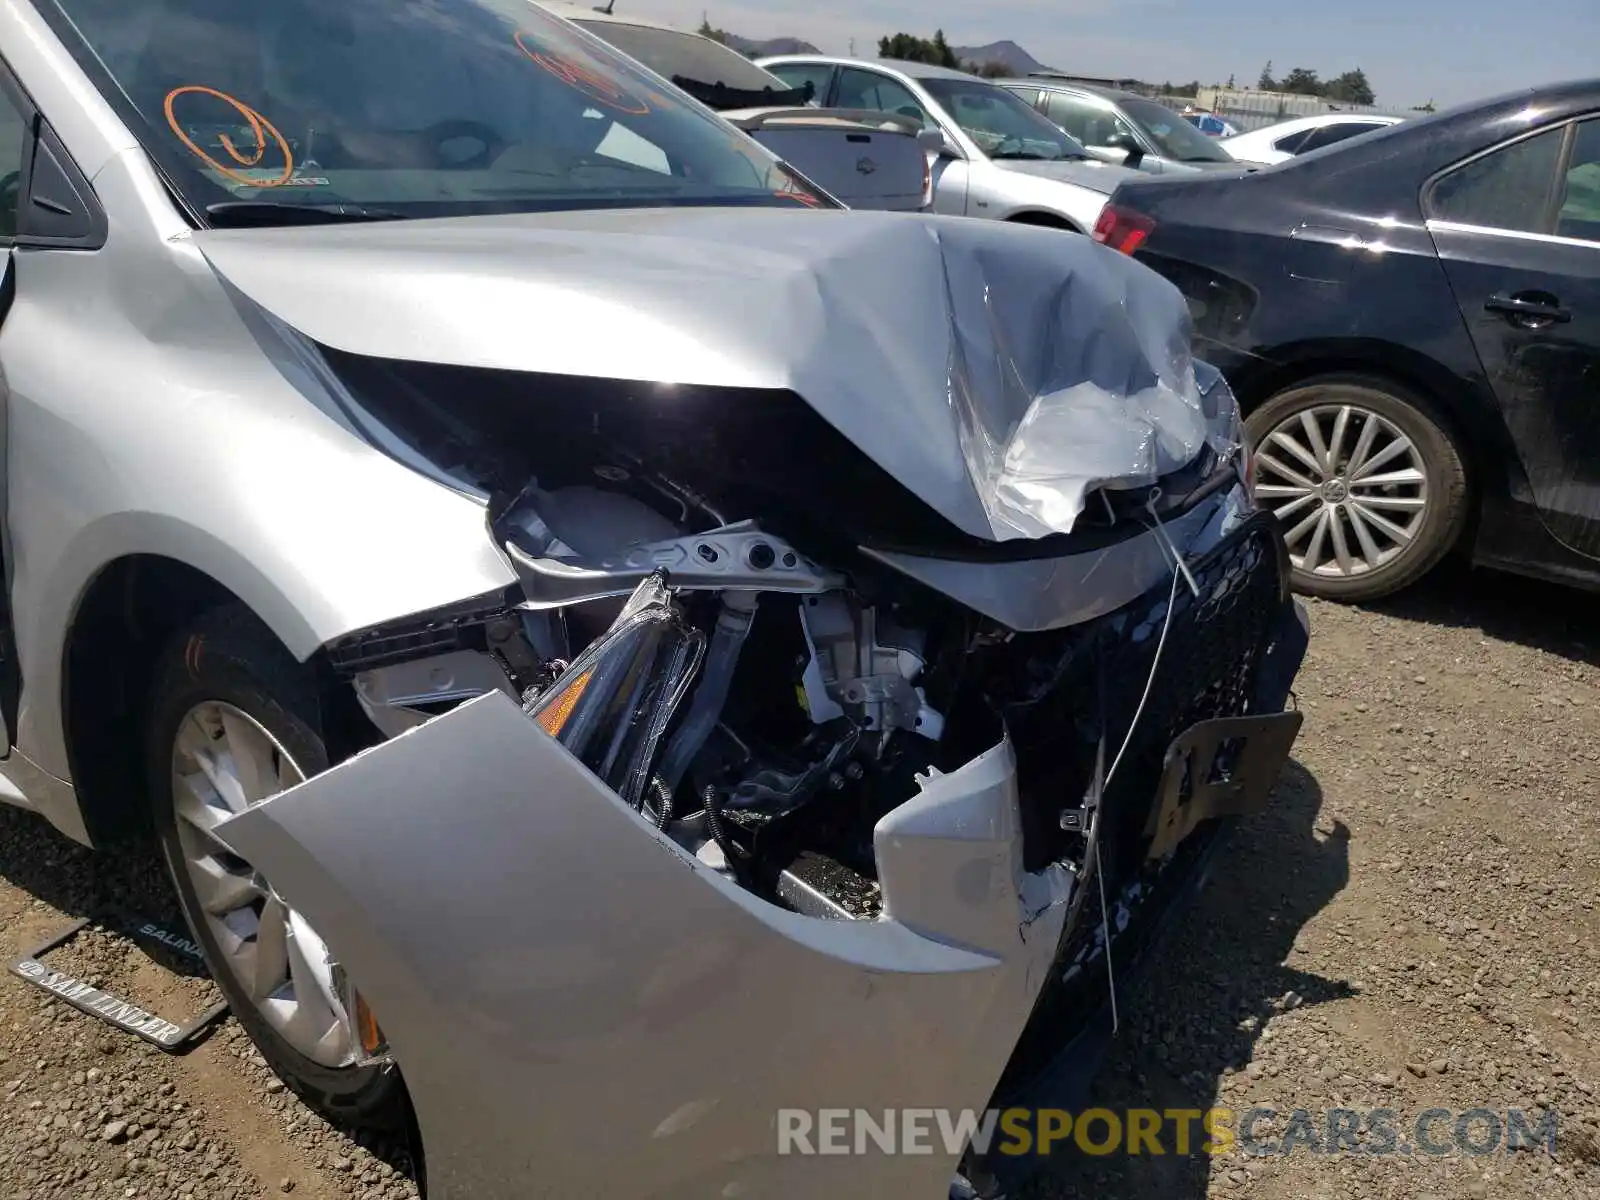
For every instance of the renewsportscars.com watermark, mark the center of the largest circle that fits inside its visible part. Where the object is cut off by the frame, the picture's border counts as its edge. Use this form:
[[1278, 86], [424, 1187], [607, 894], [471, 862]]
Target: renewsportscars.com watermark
[[1149, 1131]]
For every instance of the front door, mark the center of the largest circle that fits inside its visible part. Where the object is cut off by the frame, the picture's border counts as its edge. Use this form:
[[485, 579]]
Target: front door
[[16, 151], [1103, 133], [1518, 232]]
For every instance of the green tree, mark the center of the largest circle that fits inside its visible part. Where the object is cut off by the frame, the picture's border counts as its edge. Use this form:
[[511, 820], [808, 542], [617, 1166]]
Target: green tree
[[1267, 83], [1230, 83], [716, 35], [1351, 87], [909, 48], [1301, 82]]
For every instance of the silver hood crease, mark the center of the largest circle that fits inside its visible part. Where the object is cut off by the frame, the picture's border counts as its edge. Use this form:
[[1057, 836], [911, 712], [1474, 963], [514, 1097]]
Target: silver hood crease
[[1001, 373]]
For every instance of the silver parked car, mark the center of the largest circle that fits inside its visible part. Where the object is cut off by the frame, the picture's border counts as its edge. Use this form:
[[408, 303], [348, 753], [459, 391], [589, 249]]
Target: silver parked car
[[1123, 127], [595, 629], [1000, 158]]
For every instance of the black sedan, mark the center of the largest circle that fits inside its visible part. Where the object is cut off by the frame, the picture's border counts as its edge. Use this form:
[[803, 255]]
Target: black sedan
[[1412, 322]]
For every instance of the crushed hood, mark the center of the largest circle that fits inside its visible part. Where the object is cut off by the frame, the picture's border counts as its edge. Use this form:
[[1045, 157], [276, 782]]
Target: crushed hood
[[1000, 372]]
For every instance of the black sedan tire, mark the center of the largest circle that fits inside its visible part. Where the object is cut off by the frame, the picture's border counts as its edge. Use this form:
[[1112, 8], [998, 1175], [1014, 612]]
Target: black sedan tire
[[1369, 486]]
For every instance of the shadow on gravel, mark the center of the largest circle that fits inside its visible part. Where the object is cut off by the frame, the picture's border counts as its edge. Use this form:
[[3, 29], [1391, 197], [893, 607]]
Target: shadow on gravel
[[1543, 616], [127, 883], [1204, 1000]]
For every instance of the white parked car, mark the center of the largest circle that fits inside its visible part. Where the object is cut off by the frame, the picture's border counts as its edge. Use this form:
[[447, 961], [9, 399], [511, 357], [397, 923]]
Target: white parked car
[[1283, 141], [1000, 158]]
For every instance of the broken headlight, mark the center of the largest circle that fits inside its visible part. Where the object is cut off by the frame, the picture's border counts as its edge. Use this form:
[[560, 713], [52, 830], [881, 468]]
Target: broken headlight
[[611, 706]]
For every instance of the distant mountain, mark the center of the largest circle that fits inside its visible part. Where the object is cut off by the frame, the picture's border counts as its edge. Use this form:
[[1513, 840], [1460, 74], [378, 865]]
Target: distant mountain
[[753, 48], [1015, 59]]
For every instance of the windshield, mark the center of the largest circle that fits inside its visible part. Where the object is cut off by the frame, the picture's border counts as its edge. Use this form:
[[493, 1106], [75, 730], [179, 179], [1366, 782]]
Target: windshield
[[381, 108], [1174, 137], [1002, 124], [686, 57]]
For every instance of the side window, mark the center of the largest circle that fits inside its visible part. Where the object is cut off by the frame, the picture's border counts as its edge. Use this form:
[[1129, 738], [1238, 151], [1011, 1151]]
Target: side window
[[1089, 123], [14, 133], [1330, 135], [1579, 216], [868, 89], [797, 75], [1506, 189], [1293, 143]]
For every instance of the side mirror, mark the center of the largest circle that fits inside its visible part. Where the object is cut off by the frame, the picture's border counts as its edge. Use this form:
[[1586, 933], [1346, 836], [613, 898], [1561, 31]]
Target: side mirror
[[1131, 151], [940, 143]]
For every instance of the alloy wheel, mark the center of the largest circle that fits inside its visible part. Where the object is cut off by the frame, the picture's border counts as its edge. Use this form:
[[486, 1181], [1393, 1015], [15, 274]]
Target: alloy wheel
[[1347, 485], [224, 761]]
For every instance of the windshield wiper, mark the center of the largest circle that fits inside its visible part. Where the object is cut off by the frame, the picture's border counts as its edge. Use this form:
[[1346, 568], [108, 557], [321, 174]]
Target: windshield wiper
[[275, 212], [1029, 154]]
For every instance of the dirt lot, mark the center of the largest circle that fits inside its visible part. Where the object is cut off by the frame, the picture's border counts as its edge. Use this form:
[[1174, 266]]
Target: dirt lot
[[1411, 926]]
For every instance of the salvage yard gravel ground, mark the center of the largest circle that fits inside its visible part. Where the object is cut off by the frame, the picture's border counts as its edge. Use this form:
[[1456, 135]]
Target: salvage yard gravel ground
[[1412, 925]]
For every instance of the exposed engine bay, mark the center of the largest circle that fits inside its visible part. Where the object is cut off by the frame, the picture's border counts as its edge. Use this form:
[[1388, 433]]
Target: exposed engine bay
[[766, 708]]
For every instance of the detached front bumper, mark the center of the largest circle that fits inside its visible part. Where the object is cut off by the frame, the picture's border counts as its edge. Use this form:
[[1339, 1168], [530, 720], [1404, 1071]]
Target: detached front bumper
[[583, 1008]]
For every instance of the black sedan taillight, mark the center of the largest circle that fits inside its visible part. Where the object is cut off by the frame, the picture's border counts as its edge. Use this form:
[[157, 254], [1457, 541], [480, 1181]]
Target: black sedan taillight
[[1122, 228]]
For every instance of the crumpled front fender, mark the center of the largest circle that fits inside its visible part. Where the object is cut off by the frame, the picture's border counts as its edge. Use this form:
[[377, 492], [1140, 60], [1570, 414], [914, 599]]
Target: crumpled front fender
[[580, 1007]]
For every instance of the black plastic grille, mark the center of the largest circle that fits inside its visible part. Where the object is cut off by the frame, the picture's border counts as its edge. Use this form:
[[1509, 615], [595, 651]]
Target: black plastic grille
[[1065, 686], [1214, 650]]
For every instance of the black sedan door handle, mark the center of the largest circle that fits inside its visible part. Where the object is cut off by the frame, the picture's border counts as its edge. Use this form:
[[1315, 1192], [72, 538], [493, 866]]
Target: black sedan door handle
[[1532, 309]]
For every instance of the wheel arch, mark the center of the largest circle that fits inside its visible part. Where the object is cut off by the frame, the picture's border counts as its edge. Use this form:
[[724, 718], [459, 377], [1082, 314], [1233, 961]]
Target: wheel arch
[[1262, 377], [129, 611], [1047, 220]]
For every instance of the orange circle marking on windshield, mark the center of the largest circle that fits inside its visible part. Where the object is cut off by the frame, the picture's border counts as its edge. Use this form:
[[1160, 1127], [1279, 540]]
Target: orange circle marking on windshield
[[260, 127], [585, 80]]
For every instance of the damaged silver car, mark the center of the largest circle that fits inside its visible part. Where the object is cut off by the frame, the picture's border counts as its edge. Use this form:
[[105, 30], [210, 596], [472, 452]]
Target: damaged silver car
[[610, 646]]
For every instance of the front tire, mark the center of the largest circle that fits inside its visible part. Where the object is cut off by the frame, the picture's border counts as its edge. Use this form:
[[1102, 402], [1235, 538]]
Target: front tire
[[234, 719], [1366, 481]]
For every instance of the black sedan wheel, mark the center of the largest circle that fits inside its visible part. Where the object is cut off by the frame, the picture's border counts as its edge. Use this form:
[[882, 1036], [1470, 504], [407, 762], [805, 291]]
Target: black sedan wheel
[[1369, 488]]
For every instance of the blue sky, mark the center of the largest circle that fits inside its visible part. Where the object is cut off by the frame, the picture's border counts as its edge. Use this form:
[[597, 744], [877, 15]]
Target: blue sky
[[1449, 51]]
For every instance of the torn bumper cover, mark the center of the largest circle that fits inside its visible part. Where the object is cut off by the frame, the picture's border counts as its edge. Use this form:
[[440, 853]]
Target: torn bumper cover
[[562, 1033], [579, 1003]]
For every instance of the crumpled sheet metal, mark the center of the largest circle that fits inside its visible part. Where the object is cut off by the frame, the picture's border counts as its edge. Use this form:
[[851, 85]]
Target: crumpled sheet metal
[[582, 1009], [1001, 372], [1067, 374]]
